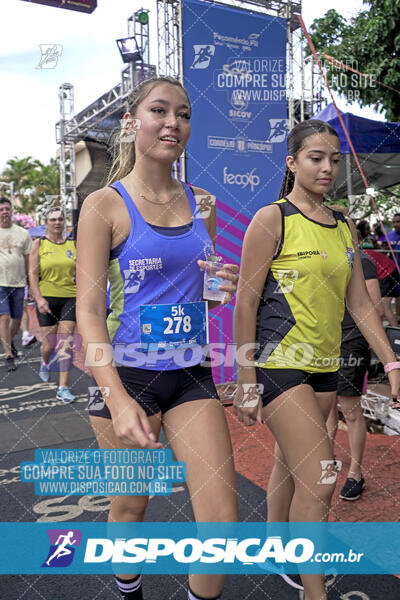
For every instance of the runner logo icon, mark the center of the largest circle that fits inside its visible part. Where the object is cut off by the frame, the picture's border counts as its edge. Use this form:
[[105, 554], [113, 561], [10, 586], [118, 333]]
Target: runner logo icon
[[251, 394], [202, 55], [329, 471], [97, 394], [204, 205], [278, 130], [62, 547], [50, 55], [132, 281], [242, 179]]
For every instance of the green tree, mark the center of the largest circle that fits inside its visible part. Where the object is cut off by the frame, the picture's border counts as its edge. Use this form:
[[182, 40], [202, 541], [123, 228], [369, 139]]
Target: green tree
[[369, 43], [33, 181], [387, 202]]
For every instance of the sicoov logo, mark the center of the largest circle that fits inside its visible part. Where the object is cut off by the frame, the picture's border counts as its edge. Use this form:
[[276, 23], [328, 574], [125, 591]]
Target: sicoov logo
[[242, 179]]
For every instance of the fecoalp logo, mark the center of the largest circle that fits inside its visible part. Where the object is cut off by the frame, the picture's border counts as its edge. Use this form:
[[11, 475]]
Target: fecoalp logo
[[62, 547], [242, 179]]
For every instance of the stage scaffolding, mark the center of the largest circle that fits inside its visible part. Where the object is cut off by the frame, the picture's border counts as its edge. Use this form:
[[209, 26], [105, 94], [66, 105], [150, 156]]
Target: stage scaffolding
[[98, 119]]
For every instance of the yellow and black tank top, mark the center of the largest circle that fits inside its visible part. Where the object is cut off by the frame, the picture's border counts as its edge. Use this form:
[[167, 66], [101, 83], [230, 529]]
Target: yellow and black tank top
[[302, 305], [57, 268]]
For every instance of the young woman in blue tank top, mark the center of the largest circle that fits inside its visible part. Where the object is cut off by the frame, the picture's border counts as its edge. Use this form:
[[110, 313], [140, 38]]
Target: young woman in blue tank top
[[143, 234]]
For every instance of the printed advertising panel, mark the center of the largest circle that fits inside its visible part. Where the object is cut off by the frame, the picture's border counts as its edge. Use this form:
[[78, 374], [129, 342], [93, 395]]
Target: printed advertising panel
[[234, 68]]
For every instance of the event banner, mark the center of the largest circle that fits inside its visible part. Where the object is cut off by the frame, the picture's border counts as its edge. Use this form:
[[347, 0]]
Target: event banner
[[173, 548], [234, 69]]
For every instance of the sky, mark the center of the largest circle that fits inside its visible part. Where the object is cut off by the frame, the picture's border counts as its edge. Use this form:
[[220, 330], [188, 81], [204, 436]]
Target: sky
[[89, 60]]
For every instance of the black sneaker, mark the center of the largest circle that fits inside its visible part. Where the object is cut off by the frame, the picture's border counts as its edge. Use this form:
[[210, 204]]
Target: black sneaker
[[15, 353], [10, 364], [352, 489]]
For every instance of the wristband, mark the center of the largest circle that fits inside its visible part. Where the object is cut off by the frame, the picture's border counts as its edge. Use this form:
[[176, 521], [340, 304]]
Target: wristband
[[391, 366]]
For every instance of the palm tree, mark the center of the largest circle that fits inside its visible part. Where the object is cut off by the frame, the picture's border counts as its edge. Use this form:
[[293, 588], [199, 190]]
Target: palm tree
[[18, 170], [33, 181]]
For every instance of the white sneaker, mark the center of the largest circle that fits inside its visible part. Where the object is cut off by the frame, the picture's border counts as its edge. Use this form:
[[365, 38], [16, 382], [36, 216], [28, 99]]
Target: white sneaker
[[64, 394], [28, 339]]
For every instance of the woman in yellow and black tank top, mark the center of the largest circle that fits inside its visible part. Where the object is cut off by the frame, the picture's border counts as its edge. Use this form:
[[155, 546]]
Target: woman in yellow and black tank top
[[52, 280], [299, 263]]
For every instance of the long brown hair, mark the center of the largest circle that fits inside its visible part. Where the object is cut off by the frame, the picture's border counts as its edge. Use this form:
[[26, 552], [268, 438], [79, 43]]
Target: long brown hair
[[123, 152], [295, 142]]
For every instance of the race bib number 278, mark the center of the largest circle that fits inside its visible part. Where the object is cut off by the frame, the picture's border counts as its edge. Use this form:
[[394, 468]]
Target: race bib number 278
[[174, 325]]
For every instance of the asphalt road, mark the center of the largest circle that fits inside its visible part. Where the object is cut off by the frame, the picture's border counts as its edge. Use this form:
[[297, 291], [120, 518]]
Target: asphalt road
[[31, 417]]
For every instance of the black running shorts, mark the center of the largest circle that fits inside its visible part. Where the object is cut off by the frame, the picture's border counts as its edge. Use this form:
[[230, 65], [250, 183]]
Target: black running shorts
[[277, 381], [389, 285], [355, 358], [62, 309], [156, 391]]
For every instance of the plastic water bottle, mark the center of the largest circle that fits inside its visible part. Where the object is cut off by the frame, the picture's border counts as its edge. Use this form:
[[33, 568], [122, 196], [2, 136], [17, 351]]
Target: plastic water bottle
[[211, 280]]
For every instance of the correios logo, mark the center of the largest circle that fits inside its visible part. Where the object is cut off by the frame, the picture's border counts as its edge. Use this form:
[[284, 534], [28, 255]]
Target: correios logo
[[242, 179]]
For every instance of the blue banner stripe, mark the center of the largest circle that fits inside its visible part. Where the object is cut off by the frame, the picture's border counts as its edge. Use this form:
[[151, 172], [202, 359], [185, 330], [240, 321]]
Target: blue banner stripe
[[229, 219], [252, 548], [232, 238], [225, 252]]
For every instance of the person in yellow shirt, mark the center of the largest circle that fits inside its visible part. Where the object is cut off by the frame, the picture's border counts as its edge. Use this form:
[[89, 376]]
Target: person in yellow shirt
[[15, 245], [300, 263], [52, 280]]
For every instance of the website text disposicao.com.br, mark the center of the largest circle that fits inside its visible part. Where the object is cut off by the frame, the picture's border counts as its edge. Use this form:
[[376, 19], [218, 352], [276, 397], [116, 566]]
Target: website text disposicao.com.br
[[213, 551]]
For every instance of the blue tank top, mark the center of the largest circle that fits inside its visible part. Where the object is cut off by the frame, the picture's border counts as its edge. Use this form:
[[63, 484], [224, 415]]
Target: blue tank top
[[154, 268]]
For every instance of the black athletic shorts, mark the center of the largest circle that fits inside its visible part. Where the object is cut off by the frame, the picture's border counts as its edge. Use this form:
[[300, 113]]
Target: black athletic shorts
[[355, 358], [62, 309], [389, 285], [156, 391], [277, 381]]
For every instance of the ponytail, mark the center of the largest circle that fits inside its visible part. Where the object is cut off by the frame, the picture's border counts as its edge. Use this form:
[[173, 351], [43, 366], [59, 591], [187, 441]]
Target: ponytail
[[123, 157], [287, 183]]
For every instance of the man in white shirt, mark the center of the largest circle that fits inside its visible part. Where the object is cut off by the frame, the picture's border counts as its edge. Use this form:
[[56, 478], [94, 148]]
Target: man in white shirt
[[15, 246]]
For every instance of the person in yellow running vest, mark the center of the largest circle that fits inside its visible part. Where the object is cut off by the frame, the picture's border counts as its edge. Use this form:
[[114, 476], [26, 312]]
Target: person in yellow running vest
[[52, 281], [300, 262]]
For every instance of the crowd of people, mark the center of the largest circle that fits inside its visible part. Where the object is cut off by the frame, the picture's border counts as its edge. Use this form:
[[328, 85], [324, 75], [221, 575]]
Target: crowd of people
[[309, 306], [40, 272]]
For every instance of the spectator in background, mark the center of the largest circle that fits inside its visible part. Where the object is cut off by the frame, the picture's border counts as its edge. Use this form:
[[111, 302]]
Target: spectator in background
[[378, 234], [15, 246], [389, 280], [394, 239], [365, 230], [394, 235], [52, 278], [354, 362]]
